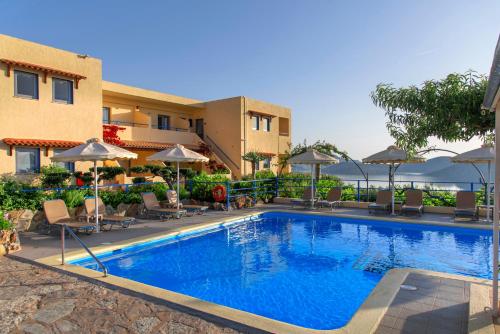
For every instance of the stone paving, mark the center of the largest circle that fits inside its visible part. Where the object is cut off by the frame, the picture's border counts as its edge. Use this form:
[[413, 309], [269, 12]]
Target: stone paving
[[37, 300], [438, 305]]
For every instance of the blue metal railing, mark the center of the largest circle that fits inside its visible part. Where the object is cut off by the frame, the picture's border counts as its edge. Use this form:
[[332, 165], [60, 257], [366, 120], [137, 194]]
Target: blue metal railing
[[354, 189]]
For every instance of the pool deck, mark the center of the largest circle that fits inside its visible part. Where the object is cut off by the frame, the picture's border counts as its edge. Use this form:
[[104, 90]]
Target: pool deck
[[441, 304]]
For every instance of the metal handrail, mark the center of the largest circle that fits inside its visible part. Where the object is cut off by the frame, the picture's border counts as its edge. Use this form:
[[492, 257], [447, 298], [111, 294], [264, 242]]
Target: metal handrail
[[63, 246], [212, 142]]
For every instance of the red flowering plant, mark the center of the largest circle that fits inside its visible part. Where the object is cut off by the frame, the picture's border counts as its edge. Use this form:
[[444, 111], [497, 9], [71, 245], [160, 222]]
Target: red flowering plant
[[110, 134]]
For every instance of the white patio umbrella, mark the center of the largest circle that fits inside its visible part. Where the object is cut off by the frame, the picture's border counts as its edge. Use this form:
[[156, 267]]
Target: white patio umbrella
[[178, 154], [94, 150], [313, 158], [484, 154], [392, 156]]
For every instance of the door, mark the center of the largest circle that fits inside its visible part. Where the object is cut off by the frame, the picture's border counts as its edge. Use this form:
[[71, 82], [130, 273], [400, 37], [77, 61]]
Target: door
[[199, 128]]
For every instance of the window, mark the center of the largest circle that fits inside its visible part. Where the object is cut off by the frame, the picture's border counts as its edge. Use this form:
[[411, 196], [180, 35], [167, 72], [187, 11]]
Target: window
[[163, 122], [257, 165], [266, 163], [70, 166], [106, 115], [284, 126], [267, 124], [27, 160], [62, 90], [255, 123], [26, 84]]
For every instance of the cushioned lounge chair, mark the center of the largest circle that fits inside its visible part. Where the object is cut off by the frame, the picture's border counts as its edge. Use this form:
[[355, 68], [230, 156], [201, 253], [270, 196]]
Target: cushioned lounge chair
[[153, 208], [466, 205], [57, 215], [105, 219], [306, 199], [172, 203], [414, 202], [382, 203], [333, 198]]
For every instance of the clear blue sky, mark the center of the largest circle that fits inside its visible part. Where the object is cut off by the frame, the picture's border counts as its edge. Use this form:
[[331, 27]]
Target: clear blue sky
[[321, 58]]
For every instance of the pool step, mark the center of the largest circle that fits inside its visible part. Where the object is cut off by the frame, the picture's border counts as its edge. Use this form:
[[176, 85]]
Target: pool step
[[374, 263]]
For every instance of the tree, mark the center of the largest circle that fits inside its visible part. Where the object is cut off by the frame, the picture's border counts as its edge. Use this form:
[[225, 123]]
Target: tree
[[254, 158], [320, 146], [449, 109], [166, 173]]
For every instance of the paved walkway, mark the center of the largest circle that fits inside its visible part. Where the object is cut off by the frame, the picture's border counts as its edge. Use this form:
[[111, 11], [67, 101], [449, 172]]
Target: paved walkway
[[438, 305], [38, 301]]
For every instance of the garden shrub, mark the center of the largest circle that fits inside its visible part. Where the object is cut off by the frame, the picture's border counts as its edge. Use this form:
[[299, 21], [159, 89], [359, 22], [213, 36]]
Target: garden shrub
[[75, 197], [54, 176], [202, 185]]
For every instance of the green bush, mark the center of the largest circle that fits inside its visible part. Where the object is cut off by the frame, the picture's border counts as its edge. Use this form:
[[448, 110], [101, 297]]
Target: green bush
[[112, 197], [74, 198], [12, 196], [54, 176], [138, 179], [5, 224], [203, 184]]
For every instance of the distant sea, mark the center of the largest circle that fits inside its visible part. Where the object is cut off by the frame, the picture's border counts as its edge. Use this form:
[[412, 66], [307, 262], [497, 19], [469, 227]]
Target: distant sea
[[437, 173]]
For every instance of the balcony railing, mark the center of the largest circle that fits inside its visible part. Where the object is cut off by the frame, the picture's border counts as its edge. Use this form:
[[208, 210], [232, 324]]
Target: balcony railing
[[144, 125]]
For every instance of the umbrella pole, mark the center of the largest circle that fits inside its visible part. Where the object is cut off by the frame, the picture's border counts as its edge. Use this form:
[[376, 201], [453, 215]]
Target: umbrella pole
[[178, 194], [312, 186], [488, 192], [391, 186], [97, 230]]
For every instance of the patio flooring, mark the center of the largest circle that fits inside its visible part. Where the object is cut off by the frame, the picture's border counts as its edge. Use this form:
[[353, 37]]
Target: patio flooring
[[38, 299]]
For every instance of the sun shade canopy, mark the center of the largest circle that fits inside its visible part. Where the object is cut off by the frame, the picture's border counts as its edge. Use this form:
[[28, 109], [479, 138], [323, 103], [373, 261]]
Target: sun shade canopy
[[485, 153], [392, 155], [94, 150], [313, 157], [178, 153]]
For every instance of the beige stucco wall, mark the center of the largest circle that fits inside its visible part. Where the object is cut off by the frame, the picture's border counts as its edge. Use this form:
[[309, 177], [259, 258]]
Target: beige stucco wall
[[43, 118], [222, 119], [262, 141]]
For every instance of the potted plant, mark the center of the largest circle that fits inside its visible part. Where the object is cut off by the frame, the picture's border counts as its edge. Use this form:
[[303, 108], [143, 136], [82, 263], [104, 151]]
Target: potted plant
[[9, 241]]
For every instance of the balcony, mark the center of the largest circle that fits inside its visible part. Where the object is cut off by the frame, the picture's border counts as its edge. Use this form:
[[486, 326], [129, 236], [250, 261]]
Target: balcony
[[142, 132]]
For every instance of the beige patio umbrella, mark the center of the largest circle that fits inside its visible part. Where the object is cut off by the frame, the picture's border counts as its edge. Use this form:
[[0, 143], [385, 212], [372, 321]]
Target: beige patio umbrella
[[313, 158], [484, 154], [94, 150], [392, 156], [178, 154]]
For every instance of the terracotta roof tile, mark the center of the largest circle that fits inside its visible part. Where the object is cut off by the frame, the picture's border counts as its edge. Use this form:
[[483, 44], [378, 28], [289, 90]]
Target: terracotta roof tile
[[41, 142]]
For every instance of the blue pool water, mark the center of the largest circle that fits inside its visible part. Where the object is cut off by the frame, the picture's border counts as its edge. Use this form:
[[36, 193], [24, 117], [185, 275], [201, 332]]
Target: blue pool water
[[310, 271]]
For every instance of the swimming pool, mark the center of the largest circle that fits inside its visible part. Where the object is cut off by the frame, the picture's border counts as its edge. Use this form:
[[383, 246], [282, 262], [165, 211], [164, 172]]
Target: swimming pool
[[307, 270]]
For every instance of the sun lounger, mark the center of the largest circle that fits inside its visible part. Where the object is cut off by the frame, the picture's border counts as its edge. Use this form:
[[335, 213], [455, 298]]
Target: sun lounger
[[57, 215], [333, 198], [172, 203], [414, 202], [382, 203], [104, 218], [466, 205], [153, 208], [306, 199]]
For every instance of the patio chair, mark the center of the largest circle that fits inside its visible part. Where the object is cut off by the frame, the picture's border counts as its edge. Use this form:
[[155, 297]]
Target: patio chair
[[466, 205], [172, 203], [306, 199], [153, 208], [414, 202], [104, 218], [333, 198], [383, 202], [57, 215]]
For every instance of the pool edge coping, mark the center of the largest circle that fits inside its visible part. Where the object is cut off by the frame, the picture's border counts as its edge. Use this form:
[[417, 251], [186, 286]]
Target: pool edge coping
[[364, 320]]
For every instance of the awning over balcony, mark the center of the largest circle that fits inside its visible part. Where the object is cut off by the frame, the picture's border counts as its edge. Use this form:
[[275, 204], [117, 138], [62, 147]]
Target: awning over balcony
[[149, 145]]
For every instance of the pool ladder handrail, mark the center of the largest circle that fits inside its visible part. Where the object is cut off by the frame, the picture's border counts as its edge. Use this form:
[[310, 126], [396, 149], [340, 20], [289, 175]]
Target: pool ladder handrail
[[63, 246]]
